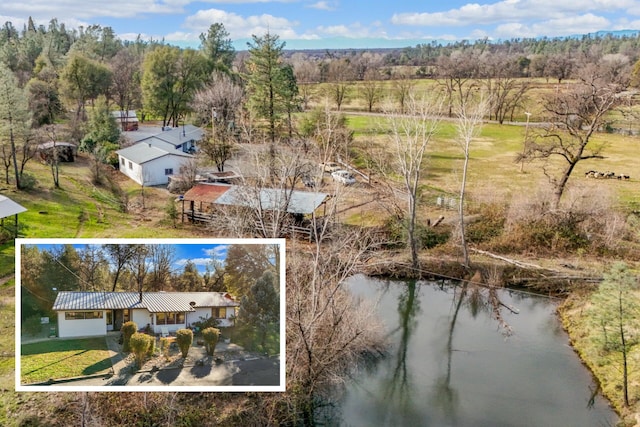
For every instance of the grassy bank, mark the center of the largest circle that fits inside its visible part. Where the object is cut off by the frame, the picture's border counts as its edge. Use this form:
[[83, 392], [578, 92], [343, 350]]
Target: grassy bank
[[605, 366]]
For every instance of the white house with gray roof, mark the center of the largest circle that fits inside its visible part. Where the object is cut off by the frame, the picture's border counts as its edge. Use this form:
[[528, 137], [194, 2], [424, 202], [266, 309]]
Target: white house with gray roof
[[151, 160], [96, 313]]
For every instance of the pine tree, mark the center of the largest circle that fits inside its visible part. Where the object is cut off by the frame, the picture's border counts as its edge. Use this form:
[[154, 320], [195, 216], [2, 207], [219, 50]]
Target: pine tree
[[267, 83], [616, 313]]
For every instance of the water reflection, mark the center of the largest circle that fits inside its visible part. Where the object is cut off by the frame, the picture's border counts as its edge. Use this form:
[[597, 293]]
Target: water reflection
[[462, 356]]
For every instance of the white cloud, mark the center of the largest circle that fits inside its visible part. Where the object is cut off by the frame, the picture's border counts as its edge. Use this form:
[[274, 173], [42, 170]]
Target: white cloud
[[240, 26], [580, 24], [510, 11], [82, 9], [324, 5]]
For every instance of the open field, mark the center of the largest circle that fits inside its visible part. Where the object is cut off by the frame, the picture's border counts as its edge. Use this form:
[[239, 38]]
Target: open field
[[63, 358]]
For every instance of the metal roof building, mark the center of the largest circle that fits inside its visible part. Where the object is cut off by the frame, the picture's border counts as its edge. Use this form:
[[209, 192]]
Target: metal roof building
[[154, 302]]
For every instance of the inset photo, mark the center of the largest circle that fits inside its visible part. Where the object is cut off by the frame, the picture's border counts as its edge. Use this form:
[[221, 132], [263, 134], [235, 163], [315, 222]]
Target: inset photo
[[150, 315]]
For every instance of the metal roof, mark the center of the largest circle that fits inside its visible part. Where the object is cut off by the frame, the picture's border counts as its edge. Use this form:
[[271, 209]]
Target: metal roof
[[179, 135], [154, 302], [142, 152], [205, 192], [8, 207], [295, 201]]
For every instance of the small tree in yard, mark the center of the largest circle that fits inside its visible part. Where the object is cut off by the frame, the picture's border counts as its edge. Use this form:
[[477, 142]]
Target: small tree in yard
[[260, 309], [210, 336], [616, 313], [141, 345], [128, 329], [184, 338]]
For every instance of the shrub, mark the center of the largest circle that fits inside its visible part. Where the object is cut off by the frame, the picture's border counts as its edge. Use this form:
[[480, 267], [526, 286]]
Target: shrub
[[211, 336], [206, 322], [28, 181], [128, 329], [164, 347], [32, 325], [140, 344], [426, 236], [184, 338], [152, 345]]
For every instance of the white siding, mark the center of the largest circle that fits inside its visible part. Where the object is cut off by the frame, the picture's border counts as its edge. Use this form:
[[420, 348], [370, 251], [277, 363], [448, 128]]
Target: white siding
[[153, 171], [141, 317], [206, 313], [81, 327]]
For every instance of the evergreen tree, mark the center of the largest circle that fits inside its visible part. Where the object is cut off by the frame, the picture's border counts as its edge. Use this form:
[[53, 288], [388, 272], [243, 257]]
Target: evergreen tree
[[267, 83], [260, 308], [617, 318], [216, 46]]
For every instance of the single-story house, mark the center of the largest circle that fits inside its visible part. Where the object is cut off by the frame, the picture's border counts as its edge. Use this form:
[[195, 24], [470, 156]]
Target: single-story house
[[151, 160], [96, 313], [128, 120]]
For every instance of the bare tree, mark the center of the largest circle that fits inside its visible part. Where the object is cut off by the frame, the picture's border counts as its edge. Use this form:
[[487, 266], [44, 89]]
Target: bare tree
[[402, 85], [307, 73], [371, 88], [327, 330], [410, 134], [339, 75], [457, 72], [505, 90], [161, 258], [470, 116], [119, 257], [575, 114]]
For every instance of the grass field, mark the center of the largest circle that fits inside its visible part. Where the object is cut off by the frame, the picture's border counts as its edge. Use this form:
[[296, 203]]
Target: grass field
[[66, 358]]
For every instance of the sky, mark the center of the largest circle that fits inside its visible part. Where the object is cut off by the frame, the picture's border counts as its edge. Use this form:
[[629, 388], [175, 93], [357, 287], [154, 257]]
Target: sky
[[334, 24]]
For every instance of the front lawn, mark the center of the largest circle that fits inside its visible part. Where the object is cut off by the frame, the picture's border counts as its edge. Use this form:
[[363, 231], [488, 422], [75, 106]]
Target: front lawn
[[63, 359]]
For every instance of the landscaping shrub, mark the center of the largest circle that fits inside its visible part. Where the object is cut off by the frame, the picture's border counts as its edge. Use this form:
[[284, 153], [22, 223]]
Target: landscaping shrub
[[152, 345], [164, 347], [128, 329], [140, 344], [184, 338], [211, 337], [206, 322]]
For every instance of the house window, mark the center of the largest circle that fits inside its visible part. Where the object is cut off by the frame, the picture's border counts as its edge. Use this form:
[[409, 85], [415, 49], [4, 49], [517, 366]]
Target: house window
[[168, 171], [122, 161], [109, 317], [219, 312], [81, 315], [171, 318]]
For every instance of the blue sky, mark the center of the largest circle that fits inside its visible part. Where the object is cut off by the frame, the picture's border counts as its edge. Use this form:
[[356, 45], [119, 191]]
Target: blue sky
[[334, 23]]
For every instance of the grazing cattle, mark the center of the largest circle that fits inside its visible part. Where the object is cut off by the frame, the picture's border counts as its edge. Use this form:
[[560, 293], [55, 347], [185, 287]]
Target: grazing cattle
[[623, 176]]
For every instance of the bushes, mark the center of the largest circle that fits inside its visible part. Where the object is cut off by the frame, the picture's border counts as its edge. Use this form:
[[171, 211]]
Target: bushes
[[184, 338], [210, 336], [142, 346], [128, 329], [426, 236]]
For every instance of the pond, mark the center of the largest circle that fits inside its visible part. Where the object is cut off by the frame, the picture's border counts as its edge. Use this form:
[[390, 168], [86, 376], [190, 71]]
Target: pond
[[452, 362]]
